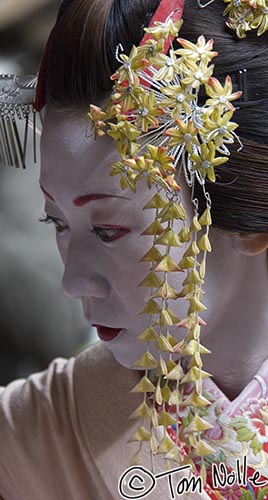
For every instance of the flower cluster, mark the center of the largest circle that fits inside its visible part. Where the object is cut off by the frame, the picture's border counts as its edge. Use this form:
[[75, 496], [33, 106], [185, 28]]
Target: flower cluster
[[161, 129], [155, 101], [246, 15]]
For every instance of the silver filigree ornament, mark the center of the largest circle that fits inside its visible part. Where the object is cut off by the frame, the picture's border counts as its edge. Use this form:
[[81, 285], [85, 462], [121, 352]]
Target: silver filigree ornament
[[18, 119]]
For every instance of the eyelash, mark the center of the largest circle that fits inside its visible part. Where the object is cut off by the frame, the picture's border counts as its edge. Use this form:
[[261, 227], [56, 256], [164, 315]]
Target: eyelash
[[98, 231]]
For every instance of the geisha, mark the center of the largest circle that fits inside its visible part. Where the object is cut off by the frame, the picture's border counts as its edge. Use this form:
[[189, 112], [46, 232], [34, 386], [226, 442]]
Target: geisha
[[154, 173]]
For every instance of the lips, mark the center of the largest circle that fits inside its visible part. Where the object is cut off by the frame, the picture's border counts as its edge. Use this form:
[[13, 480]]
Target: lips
[[105, 333]]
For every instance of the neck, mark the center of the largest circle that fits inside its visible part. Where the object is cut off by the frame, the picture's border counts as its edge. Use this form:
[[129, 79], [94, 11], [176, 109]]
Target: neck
[[238, 336]]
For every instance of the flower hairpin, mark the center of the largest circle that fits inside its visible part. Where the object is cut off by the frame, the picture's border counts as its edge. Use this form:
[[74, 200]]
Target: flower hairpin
[[247, 15], [244, 15], [161, 129]]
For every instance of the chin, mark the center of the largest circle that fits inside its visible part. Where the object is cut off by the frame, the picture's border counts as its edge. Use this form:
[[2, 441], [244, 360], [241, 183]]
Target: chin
[[127, 350]]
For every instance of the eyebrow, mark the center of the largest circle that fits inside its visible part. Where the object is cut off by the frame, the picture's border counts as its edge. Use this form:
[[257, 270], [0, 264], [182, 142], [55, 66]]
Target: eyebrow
[[87, 198], [83, 200]]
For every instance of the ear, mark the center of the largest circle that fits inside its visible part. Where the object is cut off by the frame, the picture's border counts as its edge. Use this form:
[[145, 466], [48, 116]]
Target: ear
[[251, 243]]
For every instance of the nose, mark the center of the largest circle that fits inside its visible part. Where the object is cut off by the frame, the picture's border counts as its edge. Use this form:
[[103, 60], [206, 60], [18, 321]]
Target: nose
[[80, 278]]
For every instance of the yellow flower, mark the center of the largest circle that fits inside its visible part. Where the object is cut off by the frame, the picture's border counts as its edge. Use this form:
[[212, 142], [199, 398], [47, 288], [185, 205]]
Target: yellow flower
[[96, 115], [261, 19], [168, 66], [133, 170], [151, 48], [206, 161], [162, 31], [130, 66], [171, 183], [148, 111], [123, 130], [127, 178], [141, 164], [199, 51], [179, 99], [127, 96], [161, 159], [259, 3], [237, 6], [219, 128], [125, 135], [185, 134], [145, 169], [221, 95], [240, 20], [196, 74]]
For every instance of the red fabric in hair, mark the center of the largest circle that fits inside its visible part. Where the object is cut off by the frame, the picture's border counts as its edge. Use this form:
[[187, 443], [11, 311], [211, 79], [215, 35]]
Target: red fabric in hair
[[165, 8]]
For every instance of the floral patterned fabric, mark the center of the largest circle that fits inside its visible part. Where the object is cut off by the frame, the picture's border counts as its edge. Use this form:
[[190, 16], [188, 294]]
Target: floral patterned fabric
[[239, 438]]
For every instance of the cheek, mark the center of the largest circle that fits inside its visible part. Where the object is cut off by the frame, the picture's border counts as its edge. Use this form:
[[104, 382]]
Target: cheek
[[122, 263], [125, 271], [62, 243]]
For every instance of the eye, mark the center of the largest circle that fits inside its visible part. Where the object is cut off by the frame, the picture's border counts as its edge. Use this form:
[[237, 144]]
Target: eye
[[59, 226], [105, 234], [109, 234]]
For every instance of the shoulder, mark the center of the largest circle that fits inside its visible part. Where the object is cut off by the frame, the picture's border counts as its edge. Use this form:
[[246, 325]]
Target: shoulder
[[98, 365], [55, 421], [102, 393], [64, 386], [72, 395]]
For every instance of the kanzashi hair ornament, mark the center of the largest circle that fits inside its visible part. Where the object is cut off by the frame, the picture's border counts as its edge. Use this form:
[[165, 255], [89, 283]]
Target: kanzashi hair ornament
[[162, 131], [17, 119], [244, 15], [247, 15], [21, 103], [22, 98]]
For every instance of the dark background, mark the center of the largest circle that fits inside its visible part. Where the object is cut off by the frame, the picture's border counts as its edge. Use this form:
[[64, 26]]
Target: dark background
[[37, 322]]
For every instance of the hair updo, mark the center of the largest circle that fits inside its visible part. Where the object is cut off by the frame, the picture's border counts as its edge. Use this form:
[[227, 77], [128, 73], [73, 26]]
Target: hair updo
[[81, 58]]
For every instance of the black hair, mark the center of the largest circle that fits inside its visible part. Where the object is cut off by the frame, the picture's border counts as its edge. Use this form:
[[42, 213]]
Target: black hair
[[81, 59]]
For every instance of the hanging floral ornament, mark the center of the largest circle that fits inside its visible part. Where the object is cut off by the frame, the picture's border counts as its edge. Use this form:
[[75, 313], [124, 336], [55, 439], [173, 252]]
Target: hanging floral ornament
[[161, 132]]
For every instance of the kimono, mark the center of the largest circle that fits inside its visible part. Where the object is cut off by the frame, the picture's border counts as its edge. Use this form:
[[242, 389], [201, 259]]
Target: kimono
[[64, 434]]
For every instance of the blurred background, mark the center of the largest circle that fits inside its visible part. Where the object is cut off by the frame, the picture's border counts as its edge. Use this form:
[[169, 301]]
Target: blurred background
[[37, 322]]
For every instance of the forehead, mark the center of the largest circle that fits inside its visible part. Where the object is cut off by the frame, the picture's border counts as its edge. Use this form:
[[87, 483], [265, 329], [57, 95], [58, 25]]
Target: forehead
[[74, 163], [71, 155]]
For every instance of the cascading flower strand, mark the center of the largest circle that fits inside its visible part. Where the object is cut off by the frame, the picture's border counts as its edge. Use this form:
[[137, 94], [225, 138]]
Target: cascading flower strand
[[162, 131]]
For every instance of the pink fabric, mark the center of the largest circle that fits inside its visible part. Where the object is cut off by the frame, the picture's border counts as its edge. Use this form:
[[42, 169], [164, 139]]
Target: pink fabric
[[57, 427], [240, 430]]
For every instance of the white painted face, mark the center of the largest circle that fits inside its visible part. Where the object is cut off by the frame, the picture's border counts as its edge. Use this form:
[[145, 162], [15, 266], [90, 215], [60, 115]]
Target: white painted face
[[102, 266]]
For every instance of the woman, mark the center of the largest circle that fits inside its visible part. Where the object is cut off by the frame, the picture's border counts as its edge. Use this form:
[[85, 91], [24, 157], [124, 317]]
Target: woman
[[65, 430]]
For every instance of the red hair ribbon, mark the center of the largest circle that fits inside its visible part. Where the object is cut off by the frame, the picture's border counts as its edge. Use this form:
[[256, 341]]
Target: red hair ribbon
[[165, 8]]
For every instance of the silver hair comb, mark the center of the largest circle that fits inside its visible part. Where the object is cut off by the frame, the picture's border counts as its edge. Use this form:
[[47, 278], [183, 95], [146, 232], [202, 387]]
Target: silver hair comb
[[18, 119]]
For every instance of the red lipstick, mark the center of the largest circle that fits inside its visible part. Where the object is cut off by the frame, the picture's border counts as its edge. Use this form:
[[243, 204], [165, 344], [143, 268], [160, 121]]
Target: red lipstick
[[105, 333]]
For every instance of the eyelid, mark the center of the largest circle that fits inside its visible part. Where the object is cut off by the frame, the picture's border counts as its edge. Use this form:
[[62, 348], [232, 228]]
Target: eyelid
[[96, 229], [48, 219]]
